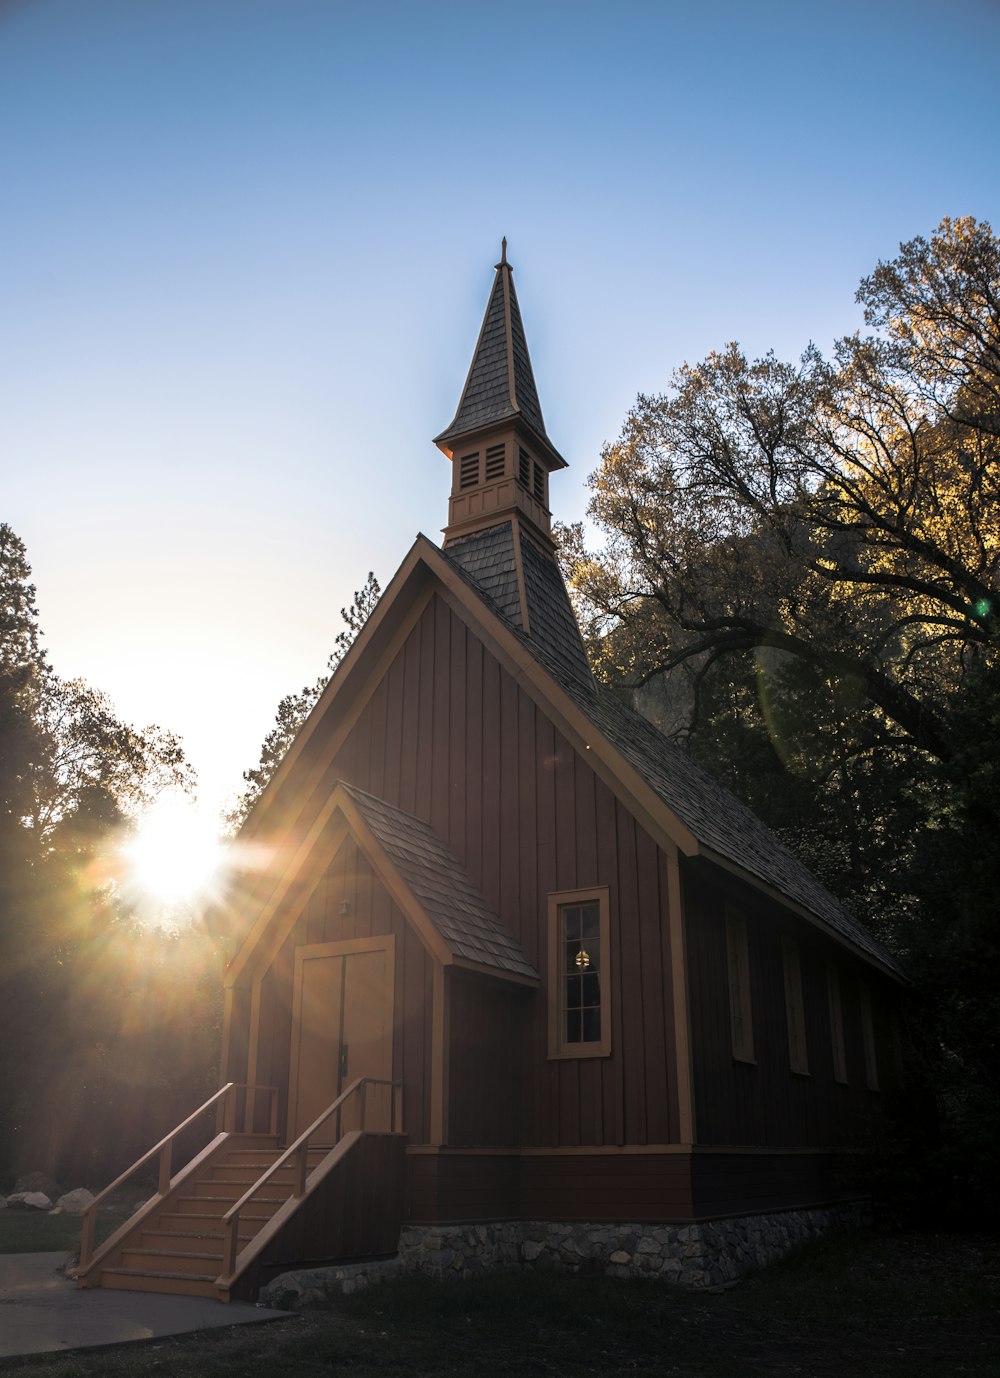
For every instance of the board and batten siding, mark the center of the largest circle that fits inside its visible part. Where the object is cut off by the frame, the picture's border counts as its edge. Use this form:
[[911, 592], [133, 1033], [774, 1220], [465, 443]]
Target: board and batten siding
[[448, 735], [765, 1102], [348, 882]]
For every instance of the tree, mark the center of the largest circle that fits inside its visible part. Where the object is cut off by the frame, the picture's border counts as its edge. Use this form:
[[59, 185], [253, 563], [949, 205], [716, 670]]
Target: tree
[[843, 513], [295, 708]]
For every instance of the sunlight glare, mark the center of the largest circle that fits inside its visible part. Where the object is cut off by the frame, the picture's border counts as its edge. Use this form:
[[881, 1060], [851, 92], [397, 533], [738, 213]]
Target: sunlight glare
[[175, 853]]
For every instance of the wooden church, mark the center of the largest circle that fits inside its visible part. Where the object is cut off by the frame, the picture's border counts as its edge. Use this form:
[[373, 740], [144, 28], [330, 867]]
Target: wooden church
[[517, 981]]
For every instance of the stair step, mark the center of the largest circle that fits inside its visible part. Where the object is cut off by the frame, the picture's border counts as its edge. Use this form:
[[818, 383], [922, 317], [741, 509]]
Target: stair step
[[188, 1241], [173, 1264], [179, 1284], [206, 1204], [192, 1222]]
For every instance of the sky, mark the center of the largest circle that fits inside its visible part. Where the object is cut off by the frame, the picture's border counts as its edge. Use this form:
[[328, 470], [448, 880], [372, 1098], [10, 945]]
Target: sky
[[246, 245]]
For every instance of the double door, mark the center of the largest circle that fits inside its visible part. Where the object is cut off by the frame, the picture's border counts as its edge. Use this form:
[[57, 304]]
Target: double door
[[341, 1030]]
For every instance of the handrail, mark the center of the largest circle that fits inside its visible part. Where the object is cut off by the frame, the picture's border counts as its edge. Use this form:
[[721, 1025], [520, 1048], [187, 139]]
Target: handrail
[[165, 1150], [299, 1150]]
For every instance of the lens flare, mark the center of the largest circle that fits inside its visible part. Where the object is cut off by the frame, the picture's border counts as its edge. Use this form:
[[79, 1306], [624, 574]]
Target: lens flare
[[174, 856]]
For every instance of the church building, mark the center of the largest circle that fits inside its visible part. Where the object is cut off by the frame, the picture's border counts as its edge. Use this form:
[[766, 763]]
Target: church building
[[518, 982]]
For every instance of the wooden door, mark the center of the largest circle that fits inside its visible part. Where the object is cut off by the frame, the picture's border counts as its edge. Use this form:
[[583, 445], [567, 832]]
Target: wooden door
[[341, 1030]]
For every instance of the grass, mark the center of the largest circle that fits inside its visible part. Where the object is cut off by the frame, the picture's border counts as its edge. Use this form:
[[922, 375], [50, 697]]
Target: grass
[[37, 1232], [882, 1306]]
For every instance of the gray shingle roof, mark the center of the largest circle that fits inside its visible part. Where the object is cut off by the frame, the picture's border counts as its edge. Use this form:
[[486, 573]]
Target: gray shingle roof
[[487, 558], [490, 394], [707, 809], [469, 927]]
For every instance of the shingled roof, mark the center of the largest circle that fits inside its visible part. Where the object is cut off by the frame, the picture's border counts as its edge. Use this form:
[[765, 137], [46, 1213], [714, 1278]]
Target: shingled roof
[[470, 929], [716, 818], [500, 384]]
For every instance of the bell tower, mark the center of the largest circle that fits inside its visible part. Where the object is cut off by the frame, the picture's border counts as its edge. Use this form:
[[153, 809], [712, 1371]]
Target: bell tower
[[500, 454]]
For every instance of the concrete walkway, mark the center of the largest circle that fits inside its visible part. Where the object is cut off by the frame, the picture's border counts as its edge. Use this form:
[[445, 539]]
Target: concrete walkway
[[41, 1311]]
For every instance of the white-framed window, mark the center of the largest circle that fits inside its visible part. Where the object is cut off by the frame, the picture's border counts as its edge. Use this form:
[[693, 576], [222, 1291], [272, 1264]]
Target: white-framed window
[[579, 980]]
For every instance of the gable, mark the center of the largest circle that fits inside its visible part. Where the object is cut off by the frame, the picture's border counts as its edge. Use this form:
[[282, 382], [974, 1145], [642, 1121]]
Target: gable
[[667, 793]]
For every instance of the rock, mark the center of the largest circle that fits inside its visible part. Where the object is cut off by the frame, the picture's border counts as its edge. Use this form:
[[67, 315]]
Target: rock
[[29, 1201], [3, 1203], [531, 1249], [620, 1257], [38, 1181], [75, 1202]]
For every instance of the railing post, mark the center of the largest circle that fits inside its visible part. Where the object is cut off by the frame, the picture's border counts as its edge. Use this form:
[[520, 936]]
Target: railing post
[[232, 1239], [364, 1102], [301, 1162], [166, 1154], [87, 1236]]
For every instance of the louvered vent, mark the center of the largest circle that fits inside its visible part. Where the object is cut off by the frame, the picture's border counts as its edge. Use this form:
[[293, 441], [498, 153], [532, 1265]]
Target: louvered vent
[[539, 488], [495, 456], [524, 468], [469, 472]]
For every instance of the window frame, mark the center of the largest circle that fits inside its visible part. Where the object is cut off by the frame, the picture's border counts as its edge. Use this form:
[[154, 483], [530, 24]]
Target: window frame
[[558, 901], [738, 984]]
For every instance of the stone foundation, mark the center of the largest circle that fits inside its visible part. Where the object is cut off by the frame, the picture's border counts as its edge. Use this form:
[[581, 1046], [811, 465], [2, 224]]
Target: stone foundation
[[712, 1254]]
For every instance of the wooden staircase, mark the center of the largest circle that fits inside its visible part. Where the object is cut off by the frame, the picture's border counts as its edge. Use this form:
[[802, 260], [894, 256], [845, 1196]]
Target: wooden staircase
[[245, 1208], [180, 1247]]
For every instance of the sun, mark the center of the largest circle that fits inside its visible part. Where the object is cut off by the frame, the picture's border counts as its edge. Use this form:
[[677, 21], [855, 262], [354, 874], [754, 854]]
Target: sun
[[174, 855]]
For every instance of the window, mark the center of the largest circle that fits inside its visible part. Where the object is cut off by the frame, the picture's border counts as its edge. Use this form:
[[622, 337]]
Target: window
[[579, 994], [868, 1038], [798, 1055], [836, 1024], [539, 482], [738, 964]]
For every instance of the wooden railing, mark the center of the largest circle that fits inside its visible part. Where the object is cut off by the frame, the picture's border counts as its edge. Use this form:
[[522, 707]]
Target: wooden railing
[[225, 1102], [298, 1155]]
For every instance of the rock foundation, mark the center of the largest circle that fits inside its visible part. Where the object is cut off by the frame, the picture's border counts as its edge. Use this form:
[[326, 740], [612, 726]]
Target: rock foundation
[[711, 1254]]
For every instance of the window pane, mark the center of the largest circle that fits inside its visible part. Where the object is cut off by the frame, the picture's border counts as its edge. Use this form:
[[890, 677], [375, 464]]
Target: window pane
[[573, 992], [591, 1026], [571, 922], [591, 921], [591, 989], [573, 1026], [572, 966]]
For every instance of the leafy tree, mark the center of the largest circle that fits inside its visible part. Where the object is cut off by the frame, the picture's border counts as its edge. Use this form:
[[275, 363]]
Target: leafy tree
[[295, 708], [843, 512]]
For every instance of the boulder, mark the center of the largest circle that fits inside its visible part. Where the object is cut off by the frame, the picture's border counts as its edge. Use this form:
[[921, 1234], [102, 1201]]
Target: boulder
[[75, 1202], [3, 1203], [38, 1181], [30, 1201]]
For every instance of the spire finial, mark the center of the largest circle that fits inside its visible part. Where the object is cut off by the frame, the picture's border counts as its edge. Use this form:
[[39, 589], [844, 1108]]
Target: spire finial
[[503, 253]]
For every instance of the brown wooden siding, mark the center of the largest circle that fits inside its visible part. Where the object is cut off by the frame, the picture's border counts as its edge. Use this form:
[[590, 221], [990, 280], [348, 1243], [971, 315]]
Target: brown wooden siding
[[355, 1213], [350, 881], [742, 1183], [484, 1021], [450, 736], [766, 1103], [600, 1187]]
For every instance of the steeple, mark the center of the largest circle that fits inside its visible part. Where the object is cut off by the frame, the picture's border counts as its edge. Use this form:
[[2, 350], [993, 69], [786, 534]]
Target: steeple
[[500, 452]]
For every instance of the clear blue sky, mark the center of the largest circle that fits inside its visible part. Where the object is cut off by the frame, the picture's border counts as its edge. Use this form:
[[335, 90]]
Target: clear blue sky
[[245, 246]]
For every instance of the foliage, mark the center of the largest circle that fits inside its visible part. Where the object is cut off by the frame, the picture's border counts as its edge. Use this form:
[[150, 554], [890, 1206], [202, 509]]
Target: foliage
[[843, 512], [800, 578], [99, 1045], [295, 708]]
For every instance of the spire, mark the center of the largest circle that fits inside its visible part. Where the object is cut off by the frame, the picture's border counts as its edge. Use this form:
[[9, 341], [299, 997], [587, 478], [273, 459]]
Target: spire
[[500, 386]]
